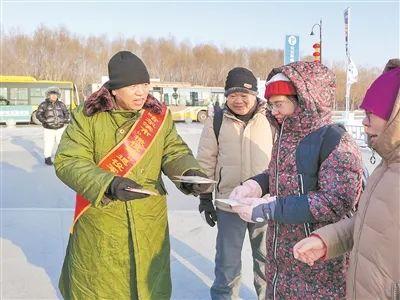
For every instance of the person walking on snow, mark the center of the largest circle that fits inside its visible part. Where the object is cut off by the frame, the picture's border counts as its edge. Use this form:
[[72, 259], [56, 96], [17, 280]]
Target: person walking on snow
[[53, 114]]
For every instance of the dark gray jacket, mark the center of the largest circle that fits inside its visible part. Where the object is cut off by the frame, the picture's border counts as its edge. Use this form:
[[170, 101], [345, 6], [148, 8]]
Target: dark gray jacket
[[52, 115]]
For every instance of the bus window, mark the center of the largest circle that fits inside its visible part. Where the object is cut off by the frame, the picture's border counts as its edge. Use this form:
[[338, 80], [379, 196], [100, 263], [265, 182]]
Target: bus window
[[174, 99], [194, 99], [37, 95], [218, 98], [19, 96], [205, 98], [3, 93], [157, 92], [183, 98], [66, 97], [166, 99]]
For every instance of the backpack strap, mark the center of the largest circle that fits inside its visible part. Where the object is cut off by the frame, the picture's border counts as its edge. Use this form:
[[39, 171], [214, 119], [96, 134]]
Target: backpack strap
[[330, 139], [312, 151], [217, 121]]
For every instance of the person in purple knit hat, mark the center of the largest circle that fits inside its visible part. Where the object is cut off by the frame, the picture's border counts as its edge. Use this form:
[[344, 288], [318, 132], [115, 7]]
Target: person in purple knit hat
[[373, 233]]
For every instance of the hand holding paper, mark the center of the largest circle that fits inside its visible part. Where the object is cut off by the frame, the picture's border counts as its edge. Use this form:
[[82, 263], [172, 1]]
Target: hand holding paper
[[195, 182], [246, 208]]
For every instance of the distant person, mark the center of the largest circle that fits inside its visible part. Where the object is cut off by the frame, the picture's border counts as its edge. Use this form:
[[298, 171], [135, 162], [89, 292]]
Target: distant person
[[212, 108], [373, 233], [120, 141], [53, 114], [314, 178], [235, 144], [217, 105]]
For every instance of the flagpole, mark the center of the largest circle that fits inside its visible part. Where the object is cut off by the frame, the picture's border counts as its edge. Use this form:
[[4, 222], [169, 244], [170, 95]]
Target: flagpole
[[351, 70], [347, 95]]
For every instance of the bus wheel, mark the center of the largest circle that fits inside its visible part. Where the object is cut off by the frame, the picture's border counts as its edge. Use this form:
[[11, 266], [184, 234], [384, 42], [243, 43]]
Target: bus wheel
[[202, 116], [34, 119]]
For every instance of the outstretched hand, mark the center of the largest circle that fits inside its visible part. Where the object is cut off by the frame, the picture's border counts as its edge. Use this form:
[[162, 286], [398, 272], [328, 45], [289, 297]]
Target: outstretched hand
[[245, 209], [309, 250], [119, 189], [195, 188]]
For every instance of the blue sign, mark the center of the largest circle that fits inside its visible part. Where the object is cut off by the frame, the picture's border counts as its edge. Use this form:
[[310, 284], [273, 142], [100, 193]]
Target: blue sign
[[291, 49]]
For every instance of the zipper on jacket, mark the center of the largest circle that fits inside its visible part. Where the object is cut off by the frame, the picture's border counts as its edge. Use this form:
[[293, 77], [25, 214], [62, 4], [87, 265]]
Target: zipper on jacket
[[276, 229], [219, 180], [301, 184], [307, 229], [55, 113]]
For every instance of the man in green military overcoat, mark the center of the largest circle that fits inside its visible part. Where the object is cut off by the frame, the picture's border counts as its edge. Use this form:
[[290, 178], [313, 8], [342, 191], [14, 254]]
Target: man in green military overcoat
[[121, 139]]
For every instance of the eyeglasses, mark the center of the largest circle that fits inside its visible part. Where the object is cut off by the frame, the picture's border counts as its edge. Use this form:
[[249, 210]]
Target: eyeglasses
[[276, 106]]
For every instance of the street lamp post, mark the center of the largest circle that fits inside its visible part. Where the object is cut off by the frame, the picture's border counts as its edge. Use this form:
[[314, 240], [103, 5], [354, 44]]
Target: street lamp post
[[320, 37]]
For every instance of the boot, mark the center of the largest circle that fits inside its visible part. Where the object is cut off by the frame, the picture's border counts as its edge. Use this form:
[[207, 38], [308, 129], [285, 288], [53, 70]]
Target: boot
[[48, 161]]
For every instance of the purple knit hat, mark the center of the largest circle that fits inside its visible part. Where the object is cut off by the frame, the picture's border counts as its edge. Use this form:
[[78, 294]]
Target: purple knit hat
[[381, 95]]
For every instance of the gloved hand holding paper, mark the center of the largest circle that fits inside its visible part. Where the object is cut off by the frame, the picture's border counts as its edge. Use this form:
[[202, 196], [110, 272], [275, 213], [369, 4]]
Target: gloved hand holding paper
[[194, 179], [228, 203], [140, 191]]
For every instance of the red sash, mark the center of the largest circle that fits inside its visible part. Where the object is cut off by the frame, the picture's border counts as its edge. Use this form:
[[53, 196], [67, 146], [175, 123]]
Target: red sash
[[128, 152]]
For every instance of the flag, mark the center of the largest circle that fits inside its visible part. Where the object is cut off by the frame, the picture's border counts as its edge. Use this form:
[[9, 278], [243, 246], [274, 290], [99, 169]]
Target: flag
[[352, 72]]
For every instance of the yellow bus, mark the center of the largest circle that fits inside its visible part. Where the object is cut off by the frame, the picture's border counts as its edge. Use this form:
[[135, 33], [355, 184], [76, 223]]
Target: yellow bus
[[187, 102], [21, 95]]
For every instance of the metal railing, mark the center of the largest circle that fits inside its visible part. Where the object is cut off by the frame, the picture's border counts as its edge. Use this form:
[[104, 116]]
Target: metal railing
[[357, 132]]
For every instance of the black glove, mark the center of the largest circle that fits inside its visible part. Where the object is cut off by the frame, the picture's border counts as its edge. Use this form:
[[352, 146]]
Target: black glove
[[207, 206], [195, 188], [116, 189]]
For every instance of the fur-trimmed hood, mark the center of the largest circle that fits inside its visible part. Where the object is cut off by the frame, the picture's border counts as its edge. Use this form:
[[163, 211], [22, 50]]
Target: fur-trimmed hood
[[102, 101], [315, 87]]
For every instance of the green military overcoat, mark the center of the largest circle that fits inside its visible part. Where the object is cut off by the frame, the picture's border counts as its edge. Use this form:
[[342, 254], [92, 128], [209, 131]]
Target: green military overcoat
[[118, 250]]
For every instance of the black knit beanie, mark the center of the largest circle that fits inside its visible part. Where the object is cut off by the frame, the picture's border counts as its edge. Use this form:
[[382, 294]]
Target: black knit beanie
[[240, 80], [125, 69]]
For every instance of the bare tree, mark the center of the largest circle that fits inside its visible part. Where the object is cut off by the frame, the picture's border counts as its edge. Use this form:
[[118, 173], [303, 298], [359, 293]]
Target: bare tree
[[57, 54]]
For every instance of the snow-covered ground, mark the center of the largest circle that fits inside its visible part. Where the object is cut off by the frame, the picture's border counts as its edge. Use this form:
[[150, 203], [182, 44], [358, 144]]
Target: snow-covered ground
[[36, 212]]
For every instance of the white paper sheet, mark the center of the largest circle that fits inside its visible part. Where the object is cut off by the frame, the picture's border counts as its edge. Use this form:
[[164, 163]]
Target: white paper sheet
[[228, 202], [194, 179], [141, 191]]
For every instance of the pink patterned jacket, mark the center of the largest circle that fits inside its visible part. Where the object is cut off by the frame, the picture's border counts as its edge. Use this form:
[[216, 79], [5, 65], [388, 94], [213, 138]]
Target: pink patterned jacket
[[339, 186]]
